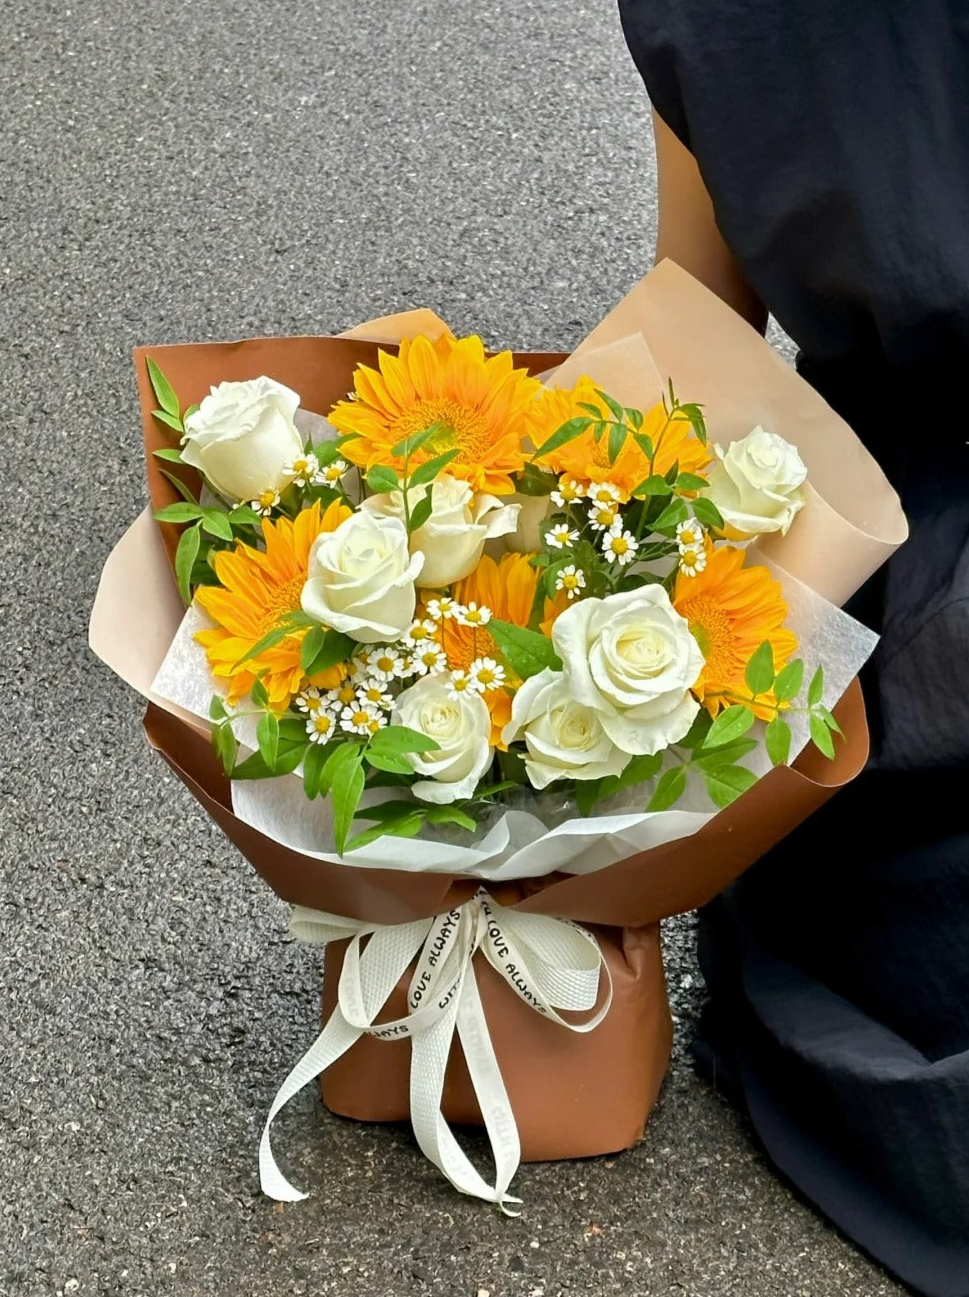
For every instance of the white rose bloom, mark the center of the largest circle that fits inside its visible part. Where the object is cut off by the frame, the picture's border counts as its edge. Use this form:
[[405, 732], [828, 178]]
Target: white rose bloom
[[460, 725], [361, 579], [564, 739], [757, 484], [533, 511], [631, 658], [453, 538], [243, 437]]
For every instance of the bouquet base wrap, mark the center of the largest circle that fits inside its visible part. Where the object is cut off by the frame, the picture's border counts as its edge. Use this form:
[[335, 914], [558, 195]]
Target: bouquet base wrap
[[573, 1095]]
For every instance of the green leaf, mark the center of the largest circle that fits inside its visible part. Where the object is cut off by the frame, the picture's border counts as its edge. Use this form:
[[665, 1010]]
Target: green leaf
[[615, 409], [171, 453], [534, 481], [821, 736], [732, 723], [169, 420], [639, 771], [669, 789], [690, 482], [429, 470], [216, 523], [389, 810], [400, 738], [179, 486], [416, 440], [394, 763], [421, 511], [600, 429], [708, 513], [313, 763], [312, 644], [164, 395], [185, 556], [725, 754], [617, 438], [187, 414], [451, 815], [408, 826], [381, 479], [726, 783], [258, 694], [695, 415], [563, 435], [494, 790], [789, 681], [244, 514], [254, 767], [830, 720], [285, 626], [594, 410], [655, 485], [526, 651], [267, 736], [674, 513], [292, 729], [759, 674], [587, 793], [217, 711], [634, 418], [778, 741], [816, 688], [180, 512], [345, 792], [226, 746], [698, 731], [343, 754], [645, 444]]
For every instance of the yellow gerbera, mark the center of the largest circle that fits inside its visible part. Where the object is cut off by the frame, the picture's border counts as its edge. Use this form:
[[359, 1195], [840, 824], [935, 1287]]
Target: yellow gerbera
[[508, 589], [481, 405], [256, 588], [587, 460], [732, 610]]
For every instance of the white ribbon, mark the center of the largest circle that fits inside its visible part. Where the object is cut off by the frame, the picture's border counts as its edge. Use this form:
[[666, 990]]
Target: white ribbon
[[549, 963]]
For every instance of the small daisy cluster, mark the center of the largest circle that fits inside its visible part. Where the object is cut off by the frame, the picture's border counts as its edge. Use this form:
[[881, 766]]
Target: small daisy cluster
[[603, 500], [362, 703], [305, 470], [691, 543]]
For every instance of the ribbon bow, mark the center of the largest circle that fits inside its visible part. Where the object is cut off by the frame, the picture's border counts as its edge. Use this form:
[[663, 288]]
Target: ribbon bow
[[549, 963]]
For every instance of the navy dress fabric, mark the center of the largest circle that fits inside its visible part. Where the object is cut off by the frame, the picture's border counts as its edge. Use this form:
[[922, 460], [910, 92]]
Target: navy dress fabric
[[833, 137]]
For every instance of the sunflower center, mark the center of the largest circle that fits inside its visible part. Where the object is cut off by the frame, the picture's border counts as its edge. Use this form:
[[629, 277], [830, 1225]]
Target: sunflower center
[[459, 426], [279, 599], [714, 632]]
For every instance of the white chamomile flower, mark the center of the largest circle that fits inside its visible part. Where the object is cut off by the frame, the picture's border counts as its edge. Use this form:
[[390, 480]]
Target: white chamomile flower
[[568, 491], [373, 694], [486, 674], [309, 700], [332, 473], [343, 695], [472, 615], [443, 608], [320, 726], [561, 536], [361, 718], [264, 503], [692, 561], [689, 535], [620, 546], [351, 395], [571, 580], [385, 663], [304, 469], [462, 682], [429, 659], [603, 493], [603, 517], [359, 665], [420, 632]]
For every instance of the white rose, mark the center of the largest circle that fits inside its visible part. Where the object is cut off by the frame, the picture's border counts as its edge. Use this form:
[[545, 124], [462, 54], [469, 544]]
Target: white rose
[[527, 536], [360, 579], [461, 726], [631, 658], [453, 538], [564, 738], [756, 485], [243, 437]]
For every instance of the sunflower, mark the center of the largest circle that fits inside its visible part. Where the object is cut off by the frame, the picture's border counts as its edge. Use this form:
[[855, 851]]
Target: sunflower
[[587, 460], [480, 404], [508, 589], [255, 589], [732, 610]]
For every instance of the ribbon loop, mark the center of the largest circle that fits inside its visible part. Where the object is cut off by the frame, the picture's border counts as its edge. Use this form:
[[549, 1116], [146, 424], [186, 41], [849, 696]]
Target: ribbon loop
[[551, 964]]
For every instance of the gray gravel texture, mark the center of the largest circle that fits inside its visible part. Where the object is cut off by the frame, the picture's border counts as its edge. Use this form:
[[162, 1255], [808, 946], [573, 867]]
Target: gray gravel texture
[[196, 171]]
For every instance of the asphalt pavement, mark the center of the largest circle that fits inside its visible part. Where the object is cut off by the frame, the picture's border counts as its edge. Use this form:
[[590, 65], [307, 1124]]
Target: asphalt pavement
[[189, 171]]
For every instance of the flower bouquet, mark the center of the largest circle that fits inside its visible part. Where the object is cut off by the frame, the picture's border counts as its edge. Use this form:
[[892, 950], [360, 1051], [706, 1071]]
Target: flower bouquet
[[488, 648]]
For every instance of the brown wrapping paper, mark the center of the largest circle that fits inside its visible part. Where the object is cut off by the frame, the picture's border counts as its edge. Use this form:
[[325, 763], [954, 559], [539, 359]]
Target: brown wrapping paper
[[573, 1095]]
